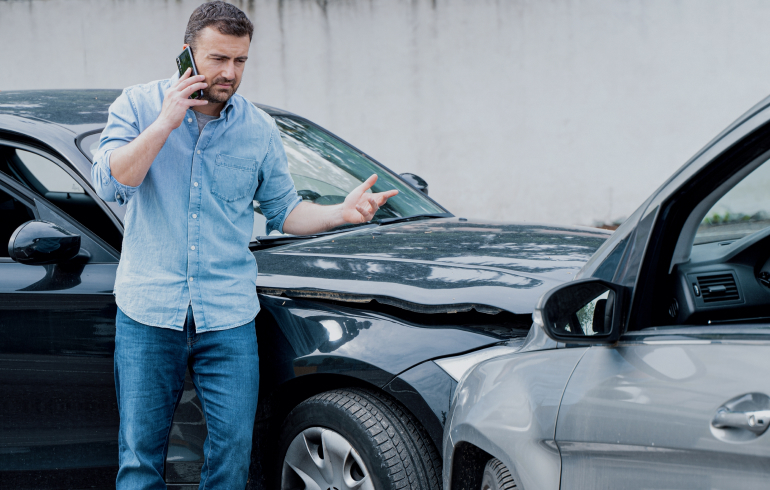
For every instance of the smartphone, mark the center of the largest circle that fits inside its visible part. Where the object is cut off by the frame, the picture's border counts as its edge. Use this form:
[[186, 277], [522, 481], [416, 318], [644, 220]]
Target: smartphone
[[185, 61]]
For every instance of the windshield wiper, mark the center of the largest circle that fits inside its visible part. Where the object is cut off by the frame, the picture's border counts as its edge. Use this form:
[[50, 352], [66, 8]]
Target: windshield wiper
[[416, 217], [268, 241]]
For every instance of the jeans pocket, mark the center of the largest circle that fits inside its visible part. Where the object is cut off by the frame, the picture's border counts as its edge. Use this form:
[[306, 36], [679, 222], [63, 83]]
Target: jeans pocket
[[233, 177]]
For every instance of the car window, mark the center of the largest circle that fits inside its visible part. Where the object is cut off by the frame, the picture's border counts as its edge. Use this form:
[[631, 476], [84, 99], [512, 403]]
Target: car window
[[325, 170], [744, 210], [89, 144], [50, 176], [13, 213], [48, 179]]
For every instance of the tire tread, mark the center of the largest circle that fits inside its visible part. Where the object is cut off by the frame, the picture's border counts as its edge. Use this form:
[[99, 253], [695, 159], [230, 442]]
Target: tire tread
[[410, 457], [501, 474]]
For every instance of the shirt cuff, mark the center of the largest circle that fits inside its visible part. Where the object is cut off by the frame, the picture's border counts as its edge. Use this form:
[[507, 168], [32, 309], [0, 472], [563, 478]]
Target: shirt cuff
[[281, 219], [123, 192]]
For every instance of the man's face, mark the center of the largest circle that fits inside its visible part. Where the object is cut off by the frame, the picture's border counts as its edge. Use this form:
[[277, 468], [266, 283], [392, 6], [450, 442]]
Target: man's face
[[220, 58]]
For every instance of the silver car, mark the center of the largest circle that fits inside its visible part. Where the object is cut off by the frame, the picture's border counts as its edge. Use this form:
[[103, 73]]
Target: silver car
[[650, 370]]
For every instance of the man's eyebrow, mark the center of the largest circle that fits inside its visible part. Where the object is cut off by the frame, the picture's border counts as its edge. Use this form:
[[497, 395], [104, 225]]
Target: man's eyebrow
[[224, 56]]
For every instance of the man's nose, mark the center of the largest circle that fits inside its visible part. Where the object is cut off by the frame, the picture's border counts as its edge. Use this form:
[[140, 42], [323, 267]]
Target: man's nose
[[229, 71]]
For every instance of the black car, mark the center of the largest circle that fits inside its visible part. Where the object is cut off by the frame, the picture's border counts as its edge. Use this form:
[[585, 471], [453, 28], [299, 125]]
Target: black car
[[363, 333]]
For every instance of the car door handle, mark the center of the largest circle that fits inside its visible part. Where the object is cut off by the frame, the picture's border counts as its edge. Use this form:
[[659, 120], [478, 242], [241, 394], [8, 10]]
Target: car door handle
[[756, 421]]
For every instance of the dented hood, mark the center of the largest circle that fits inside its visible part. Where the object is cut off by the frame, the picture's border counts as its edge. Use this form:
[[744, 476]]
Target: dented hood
[[438, 263]]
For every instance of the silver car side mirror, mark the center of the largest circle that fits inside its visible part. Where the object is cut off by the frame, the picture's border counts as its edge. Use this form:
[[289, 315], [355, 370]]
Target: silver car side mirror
[[587, 311]]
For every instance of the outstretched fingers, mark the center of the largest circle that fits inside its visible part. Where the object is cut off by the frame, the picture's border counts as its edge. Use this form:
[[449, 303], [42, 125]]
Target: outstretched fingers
[[363, 187], [382, 197], [368, 183], [366, 204]]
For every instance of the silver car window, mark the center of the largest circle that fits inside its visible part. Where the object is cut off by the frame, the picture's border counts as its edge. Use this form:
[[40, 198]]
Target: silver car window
[[744, 210]]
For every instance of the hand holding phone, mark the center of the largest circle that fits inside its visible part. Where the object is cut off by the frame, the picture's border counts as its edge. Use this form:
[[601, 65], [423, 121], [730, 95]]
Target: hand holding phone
[[185, 61], [178, 100]]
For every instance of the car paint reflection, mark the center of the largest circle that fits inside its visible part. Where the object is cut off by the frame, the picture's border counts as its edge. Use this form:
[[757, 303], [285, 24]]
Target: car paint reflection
[[436, 261]]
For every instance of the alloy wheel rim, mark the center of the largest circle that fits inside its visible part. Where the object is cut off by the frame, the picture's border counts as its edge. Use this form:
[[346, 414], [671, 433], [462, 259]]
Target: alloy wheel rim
[[321, 459]]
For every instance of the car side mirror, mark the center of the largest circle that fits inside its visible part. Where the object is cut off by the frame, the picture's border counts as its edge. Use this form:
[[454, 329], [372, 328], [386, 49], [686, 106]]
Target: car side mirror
[[586, 311], [41, 242], [417, 182]]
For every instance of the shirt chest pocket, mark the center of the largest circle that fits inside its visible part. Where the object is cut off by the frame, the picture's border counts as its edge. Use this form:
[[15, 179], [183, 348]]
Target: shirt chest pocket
[[233, 177]]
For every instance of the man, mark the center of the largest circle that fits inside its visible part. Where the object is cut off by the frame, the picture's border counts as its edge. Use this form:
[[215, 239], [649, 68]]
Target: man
[[186, 284]]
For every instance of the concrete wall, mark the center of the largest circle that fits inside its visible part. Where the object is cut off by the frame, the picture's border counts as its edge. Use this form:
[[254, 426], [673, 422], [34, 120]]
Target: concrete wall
[[567, 111]]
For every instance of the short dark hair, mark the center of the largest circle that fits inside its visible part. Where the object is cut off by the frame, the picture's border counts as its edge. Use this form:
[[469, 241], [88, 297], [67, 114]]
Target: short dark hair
[[227, 18]]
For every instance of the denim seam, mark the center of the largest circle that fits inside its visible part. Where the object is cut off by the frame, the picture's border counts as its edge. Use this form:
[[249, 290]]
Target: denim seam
[[170, 425], [129, 94], [192, 340], [206, 415], [273, 130]]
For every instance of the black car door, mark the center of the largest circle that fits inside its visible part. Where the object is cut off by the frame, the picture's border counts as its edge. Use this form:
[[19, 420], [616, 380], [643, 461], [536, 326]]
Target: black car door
[[58, 410]]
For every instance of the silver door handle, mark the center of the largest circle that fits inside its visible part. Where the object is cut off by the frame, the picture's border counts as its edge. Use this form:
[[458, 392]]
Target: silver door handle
[[756, 421]]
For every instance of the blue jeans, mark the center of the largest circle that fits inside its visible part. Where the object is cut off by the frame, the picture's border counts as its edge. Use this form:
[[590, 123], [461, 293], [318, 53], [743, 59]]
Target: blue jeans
[[150, 365]]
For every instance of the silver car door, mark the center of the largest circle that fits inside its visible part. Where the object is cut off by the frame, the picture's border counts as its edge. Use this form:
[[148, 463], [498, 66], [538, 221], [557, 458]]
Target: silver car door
[[672, 408]]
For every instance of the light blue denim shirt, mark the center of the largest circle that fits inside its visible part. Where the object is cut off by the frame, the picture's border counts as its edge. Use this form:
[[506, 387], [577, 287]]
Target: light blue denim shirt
[[189, 223]]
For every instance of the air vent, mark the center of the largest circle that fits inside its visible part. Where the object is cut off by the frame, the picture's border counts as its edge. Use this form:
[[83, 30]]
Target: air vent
[[718, 287]]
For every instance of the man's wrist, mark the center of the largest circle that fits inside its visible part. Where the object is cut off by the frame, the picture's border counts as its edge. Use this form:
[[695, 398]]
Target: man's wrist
[[161, 127], [336, 216]]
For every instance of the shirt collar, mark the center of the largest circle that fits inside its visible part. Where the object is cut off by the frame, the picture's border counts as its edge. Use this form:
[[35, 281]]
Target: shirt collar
[[228, 108]]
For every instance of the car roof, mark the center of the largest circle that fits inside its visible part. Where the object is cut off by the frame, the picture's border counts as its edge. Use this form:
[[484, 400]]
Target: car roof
[[72, 109]]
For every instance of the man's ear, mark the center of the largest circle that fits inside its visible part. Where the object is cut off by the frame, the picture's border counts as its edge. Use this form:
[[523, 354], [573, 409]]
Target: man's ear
[[184, 46]]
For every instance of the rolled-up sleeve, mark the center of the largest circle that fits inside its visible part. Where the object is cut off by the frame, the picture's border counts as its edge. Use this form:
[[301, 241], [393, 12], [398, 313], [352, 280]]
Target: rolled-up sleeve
[[275, 193], [122, 127]]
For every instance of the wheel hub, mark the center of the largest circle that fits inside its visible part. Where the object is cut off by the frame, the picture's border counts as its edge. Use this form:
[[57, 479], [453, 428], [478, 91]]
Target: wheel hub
[[321, 459]]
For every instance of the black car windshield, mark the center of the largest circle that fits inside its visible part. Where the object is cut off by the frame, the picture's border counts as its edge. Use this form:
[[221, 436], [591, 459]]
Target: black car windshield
[[325, 170]]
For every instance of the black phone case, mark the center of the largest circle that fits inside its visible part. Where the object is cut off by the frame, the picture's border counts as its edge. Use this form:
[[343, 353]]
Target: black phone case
[[198, 93]]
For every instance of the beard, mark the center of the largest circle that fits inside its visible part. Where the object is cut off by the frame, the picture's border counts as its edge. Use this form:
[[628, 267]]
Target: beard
[[218, 96]]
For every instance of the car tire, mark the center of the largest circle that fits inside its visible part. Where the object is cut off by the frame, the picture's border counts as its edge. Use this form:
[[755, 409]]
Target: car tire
[[496, 476], [386, 443]]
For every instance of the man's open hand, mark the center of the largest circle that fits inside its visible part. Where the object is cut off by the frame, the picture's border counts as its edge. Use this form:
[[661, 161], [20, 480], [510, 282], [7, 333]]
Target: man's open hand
[[177, 99], [360, 206]]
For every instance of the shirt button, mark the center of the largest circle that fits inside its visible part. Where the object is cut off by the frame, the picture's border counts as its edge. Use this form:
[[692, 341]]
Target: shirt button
[[192, 248], [195, 216], [195, 184], [199, 152], [189, 119], [191, 278]]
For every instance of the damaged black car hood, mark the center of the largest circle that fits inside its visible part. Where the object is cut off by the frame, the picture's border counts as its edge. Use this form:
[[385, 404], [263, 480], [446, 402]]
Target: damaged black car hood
[[437, 265]]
